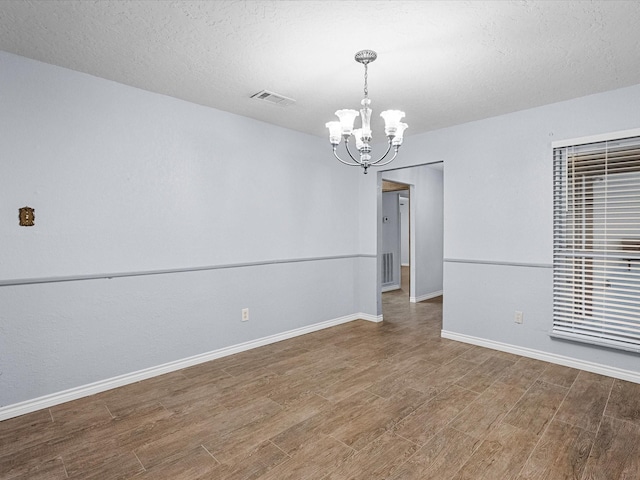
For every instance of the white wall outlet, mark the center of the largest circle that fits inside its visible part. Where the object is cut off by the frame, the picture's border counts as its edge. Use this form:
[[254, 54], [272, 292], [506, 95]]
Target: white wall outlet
[[518, 317], [245, 314]]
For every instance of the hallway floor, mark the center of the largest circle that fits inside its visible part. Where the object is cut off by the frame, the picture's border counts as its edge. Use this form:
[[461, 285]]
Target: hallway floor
[[357, 401]]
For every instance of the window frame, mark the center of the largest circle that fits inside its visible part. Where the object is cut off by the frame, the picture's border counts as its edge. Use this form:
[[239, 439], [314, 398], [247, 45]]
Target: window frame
[[574, 326]]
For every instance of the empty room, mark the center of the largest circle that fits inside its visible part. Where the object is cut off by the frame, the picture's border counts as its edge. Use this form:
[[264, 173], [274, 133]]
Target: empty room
[[332, 240]]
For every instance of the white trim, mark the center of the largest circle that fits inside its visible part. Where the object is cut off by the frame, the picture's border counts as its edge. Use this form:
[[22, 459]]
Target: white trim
[[370, 318], [634, 132], [499, 263], [592, 367], [426, 296], [57, 398], [390, 288], [405, 264], [109, 276]]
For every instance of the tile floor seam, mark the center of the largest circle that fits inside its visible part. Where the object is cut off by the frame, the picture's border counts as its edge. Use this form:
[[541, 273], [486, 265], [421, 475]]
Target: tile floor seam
[[546, 428], [540, 375], [478, 445], [448, 425], [479, 439], [398, 467], [569, 424], [516, 403], [457, 357], [340, 441], [272, 443], [324, 398], [623, 420], [224, 370], [374, 394], [110, 414], [211, 454], [135, 455], [556, 384], [410, 441], [64, 467], [595, 437]]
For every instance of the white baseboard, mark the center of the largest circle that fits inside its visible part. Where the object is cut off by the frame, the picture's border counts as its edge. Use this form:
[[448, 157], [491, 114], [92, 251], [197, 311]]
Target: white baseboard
[[370, 318], [390, 288], [427, 296], [57, 398], [405, 264], [598, 368]]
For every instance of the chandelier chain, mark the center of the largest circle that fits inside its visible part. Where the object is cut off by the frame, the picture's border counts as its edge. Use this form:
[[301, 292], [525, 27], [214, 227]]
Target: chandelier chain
[[366, 77]]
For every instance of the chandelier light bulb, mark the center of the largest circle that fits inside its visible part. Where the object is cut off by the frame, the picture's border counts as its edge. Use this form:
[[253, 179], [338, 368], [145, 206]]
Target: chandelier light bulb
[[394, 129], [397, 139], [347, 117], [357, 134], [335, 129], [391, 121]]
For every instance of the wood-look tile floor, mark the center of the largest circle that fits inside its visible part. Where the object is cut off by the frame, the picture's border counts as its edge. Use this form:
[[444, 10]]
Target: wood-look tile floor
[[358, 401]]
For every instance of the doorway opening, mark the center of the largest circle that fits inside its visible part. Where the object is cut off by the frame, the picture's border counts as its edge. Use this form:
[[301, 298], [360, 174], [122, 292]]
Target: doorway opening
[[396, 256], [418, 191]]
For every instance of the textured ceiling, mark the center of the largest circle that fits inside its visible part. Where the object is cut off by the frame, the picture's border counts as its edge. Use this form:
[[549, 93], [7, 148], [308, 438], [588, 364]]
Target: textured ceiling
[[443, 62]]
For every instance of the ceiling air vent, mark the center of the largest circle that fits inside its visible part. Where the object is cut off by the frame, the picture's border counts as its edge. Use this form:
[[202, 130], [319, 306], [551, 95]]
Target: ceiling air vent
[[274, 98]]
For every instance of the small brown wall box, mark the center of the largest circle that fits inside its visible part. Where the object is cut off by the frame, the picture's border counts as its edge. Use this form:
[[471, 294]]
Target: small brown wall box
[[27, 217]]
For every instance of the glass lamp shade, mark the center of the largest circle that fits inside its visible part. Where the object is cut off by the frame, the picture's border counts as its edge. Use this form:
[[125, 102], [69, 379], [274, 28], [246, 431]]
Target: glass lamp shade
[[391, 121], [397, 140], [335, 130], [357, 133], [347, 117]]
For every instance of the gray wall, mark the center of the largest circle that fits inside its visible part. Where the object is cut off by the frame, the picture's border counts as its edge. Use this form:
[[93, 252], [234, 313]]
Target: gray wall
[[404, 229], [124, 180], [391, 236], [498, 218]]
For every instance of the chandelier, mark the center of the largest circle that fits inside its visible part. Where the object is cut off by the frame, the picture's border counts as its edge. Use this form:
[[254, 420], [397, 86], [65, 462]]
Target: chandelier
[[393, 129]]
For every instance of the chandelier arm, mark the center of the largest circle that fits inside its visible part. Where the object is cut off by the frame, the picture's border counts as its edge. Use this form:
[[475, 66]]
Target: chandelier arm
[[395, 154], [342, 161], [383, 156], [346, 146]]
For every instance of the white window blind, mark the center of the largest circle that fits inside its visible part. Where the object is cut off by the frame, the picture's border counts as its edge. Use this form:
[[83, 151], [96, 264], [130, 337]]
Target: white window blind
[[596, 257]]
